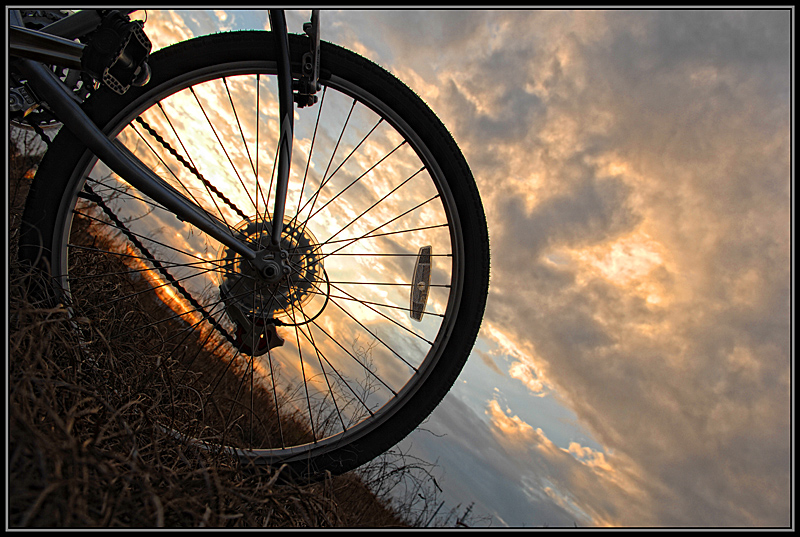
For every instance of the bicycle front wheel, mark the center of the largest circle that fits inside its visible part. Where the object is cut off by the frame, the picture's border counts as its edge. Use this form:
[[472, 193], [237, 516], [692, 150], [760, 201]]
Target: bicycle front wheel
[[386, 237]]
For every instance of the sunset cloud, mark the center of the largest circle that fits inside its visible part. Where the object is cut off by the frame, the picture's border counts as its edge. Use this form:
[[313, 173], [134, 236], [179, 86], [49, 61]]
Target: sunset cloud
[[645, 251], [528, 376], [635, 171]]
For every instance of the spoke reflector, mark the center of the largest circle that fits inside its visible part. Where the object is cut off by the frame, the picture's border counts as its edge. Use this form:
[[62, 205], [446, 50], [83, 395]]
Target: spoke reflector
[[421, 283]]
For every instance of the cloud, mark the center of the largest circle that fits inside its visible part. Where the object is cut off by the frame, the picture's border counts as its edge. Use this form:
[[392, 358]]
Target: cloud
[[635, 171], [512, 428], [580, 481], [499, 465], [638, 213], [658, 382], [164, 28], [487, 359], [528, 376]]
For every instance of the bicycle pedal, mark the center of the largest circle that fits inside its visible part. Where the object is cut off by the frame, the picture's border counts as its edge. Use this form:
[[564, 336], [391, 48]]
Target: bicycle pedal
[[117, 53], [421, 282]]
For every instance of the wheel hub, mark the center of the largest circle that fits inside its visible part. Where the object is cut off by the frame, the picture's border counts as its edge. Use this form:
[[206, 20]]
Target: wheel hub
[[277, 284]]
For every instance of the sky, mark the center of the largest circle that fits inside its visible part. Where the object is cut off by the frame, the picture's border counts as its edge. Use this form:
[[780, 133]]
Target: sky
[[634, 363]]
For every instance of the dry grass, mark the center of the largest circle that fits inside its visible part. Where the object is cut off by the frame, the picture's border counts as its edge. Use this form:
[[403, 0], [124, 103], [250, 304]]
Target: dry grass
[[86, 448], [86, 442]]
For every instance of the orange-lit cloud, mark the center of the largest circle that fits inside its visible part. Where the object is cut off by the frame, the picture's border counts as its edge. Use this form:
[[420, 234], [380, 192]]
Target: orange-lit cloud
[[575, 478], [635, 171]]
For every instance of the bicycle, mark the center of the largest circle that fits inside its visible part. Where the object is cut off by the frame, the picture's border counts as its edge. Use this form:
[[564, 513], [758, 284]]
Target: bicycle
[[320, 285]]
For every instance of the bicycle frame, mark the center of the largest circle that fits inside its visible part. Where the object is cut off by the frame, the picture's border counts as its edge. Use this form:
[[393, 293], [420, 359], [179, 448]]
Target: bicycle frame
[[52, 44]]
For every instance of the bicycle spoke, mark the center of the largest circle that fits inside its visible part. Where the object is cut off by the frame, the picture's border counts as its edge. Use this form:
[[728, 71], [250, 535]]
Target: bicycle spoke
[[357, 179], [216, 270], [372, 373], [303, 373], [222, 146], [374, 335], [139, 235], [339, 375], [396, 284], [354, 220], [253, 166], [351, 297], [259, 191], [190, 165], [366, 235], [382, 254], [316, 195], [325, 177], [269, 190], [367, 302], [177, 179], [368, 305], [118, 299], [239, 125], [188, 332], [275, 398], [188, 311], [376, 235], [104, 186], [310, 338], [368, 370], [310, 153], [128, 255], [293, 366]]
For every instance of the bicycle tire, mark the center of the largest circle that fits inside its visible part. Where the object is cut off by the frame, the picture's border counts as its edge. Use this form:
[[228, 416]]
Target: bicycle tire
[[59, 191]]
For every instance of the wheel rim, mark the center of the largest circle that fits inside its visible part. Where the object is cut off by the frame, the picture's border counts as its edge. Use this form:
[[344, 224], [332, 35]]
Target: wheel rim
[[341, 282]]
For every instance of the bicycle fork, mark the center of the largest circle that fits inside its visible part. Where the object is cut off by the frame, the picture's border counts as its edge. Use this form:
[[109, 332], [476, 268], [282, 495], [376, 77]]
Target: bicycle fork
[[286, 112], [307, 86]]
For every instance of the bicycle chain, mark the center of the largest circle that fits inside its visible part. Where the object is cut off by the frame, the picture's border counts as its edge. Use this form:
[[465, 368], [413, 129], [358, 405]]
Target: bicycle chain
[[188, 165], [93, 196]]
